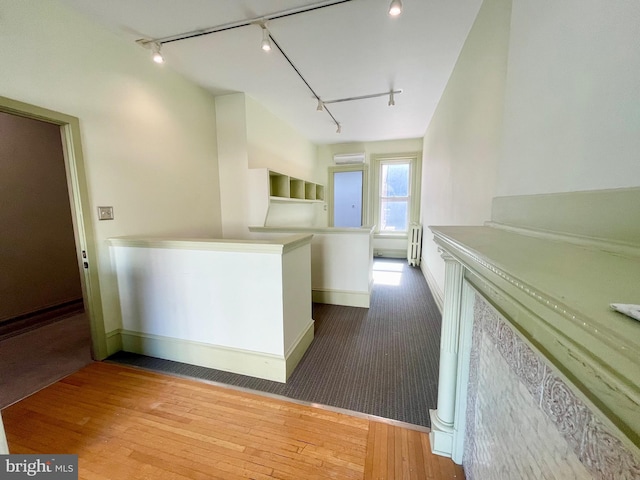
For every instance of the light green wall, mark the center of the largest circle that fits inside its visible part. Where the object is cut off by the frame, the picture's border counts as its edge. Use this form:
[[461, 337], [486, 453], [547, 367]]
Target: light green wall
[[148, 134], [274, 144], [233, 162], [572, 105], [462, 142], [249, 136], [566, 119]]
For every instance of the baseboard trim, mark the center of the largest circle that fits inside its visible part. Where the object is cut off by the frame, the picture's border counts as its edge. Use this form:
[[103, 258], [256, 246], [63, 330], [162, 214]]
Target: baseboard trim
[[295, 353], [390, 253], [234, 360], [10, 327], [341, 297], [114, 342], [438, 296]]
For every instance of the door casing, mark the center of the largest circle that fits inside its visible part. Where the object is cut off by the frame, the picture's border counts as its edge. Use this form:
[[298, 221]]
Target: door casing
[[80, 213]]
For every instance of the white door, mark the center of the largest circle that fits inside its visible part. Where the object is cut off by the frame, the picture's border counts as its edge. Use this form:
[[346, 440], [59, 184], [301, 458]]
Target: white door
[[347, 199]]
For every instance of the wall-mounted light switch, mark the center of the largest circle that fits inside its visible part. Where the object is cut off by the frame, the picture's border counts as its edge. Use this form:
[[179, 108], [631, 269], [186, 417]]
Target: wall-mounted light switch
[[105, 213]]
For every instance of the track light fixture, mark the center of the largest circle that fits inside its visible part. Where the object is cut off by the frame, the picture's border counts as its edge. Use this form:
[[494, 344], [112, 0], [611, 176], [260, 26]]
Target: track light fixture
[[390, 93], [266, 42], [157, 54], [395, 8]]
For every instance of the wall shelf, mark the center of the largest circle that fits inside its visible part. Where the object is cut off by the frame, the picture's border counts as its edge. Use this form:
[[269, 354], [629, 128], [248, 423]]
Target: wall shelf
[[295, 201], [284, 187], [275, 199]]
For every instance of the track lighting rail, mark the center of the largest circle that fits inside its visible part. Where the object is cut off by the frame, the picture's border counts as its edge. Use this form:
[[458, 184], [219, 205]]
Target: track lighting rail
[[246, 23], [156, 44], [363, 97]]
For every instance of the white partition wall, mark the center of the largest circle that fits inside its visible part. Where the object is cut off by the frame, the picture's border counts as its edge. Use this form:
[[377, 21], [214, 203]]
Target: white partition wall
[[341, 262], [237, 306]]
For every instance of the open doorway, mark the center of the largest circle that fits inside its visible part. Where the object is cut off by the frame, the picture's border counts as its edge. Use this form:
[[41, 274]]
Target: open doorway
[[44, 333], [45, 209]]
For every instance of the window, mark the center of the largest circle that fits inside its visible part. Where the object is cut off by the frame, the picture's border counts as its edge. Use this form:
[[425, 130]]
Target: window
[[396, 193], [394, 196]]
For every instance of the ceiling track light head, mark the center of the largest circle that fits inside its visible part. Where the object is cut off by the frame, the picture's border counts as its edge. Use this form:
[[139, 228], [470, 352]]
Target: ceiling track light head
[[266, 41], [156, 52], [155, 46], [320, 106], [339, 129], [395, 8], [392, 100]]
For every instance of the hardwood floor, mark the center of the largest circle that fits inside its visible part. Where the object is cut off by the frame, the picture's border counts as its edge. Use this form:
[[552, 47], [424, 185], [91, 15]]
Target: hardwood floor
[[133, 424]]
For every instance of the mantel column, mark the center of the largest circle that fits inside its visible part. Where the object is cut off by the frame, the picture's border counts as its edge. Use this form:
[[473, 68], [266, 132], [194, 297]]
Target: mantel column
[[441, 435]]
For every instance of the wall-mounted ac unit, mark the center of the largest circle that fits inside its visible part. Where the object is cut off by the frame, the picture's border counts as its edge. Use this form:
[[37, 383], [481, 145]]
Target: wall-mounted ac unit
[[348, 158]]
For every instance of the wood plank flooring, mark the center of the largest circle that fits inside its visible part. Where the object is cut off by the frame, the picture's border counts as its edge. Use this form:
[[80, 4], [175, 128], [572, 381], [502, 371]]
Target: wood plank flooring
[[133, 424]]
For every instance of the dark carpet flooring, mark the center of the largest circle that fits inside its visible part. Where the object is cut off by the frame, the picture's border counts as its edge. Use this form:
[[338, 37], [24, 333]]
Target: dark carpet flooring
[[381, 361]]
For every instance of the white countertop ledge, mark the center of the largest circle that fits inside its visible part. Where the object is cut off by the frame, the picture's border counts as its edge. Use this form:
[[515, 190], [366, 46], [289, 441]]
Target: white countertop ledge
[[275, 246]]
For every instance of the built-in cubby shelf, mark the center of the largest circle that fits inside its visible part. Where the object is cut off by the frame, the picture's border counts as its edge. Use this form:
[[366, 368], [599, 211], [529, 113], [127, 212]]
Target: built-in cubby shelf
[[294, 189], [279, 185], [276, 199]]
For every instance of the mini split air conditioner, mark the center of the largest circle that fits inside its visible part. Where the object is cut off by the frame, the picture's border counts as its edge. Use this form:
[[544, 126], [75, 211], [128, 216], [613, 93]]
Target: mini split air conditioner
[[348, 158]]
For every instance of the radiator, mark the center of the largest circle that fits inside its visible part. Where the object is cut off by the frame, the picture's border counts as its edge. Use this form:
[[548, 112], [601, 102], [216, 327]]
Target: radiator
[[414, 244]]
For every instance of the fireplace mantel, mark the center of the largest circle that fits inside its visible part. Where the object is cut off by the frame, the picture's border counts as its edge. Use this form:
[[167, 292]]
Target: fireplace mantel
[[556, 294]]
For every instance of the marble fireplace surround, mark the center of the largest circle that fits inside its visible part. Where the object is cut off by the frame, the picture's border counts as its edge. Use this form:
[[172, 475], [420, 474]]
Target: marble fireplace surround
[[541, 428], [553, 294]]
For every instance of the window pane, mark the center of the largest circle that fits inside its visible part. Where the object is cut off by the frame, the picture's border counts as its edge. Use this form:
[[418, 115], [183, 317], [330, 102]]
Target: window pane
[[393, 216], [395, 179]]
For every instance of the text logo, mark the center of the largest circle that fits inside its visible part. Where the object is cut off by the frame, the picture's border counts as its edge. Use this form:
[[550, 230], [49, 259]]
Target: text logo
[[50, 467]]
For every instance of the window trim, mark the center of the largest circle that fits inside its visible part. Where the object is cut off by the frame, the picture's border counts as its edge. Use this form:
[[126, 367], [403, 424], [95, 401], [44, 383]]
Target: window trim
[[415, 169]]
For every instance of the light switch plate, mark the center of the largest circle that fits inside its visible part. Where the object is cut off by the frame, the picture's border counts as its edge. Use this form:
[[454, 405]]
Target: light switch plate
[[105, 213]]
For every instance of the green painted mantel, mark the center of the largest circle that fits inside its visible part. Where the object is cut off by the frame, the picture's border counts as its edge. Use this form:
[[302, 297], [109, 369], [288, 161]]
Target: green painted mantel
[[557, 294]]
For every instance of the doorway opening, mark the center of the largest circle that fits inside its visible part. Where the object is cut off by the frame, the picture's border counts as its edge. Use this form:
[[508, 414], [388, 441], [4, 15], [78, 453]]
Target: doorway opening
[[81, 292]]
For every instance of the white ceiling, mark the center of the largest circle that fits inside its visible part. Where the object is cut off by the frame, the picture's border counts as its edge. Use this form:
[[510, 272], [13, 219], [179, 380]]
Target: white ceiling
[[345, 50]]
